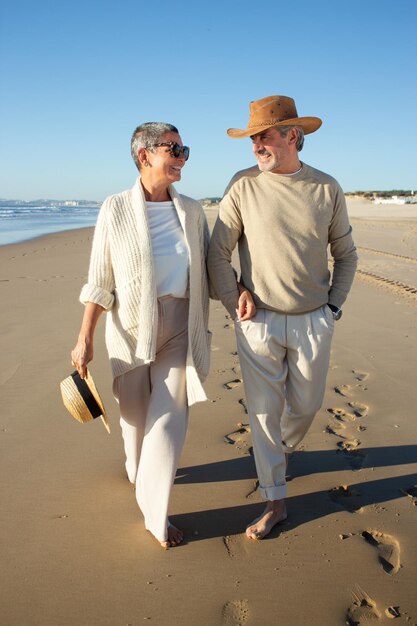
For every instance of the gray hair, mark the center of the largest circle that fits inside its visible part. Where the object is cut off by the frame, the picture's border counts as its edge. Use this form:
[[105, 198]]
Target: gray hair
[[147, 134], [283, 130]]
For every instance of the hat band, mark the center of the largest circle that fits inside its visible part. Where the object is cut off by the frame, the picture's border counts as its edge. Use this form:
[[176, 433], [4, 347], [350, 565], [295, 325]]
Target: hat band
[[86, 395], [270, 122]]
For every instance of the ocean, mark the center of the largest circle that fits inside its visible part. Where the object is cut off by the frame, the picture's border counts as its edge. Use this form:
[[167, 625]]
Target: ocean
[[20, 223]]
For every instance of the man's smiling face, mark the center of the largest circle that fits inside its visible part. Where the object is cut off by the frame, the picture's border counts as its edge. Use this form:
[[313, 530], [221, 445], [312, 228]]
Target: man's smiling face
[[272, 151]]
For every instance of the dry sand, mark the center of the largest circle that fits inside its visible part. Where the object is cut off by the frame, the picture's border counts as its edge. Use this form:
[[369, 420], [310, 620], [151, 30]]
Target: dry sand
[[74, 550]]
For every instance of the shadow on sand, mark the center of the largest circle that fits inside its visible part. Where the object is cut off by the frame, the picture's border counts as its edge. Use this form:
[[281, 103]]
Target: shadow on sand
[[303, 508]]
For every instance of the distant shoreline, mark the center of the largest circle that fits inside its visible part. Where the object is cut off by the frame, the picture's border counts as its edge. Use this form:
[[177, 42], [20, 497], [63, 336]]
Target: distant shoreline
[[358, 208]]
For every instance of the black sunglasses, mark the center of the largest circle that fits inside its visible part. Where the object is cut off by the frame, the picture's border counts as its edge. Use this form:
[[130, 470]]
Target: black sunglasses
[[174, 148]]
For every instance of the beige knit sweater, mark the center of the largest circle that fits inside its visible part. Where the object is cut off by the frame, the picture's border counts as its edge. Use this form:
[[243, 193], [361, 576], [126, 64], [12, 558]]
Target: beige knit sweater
[[283, 226], [121, 279]]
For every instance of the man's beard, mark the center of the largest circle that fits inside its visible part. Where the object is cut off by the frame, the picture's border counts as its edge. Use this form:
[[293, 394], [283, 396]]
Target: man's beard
[[267, 166]]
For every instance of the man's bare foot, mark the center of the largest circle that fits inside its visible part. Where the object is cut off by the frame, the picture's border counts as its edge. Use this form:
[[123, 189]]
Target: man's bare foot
[[274, 513], [175, 537]]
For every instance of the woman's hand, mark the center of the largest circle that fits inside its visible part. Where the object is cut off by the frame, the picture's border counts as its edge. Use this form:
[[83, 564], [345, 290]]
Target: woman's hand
[[84, 349], [246, 306], [81, 355]]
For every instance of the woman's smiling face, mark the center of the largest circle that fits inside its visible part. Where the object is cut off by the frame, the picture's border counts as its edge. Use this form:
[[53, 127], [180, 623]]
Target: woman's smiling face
[[162, 165]]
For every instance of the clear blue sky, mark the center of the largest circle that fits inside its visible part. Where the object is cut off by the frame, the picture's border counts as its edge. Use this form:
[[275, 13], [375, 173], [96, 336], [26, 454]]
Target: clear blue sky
[[77, 77]]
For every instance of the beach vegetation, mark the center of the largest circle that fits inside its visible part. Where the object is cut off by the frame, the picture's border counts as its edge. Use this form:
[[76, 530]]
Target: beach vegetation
[[381, 194]]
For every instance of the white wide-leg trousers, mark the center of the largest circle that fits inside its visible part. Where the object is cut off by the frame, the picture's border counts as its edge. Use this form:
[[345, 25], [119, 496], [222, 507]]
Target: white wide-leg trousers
[[154, 415], [284, 361]]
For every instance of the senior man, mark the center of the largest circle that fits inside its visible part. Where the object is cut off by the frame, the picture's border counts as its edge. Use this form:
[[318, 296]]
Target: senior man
[[283, 215]]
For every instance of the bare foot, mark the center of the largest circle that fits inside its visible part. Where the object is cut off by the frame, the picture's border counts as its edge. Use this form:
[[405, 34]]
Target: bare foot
[[274, 513], [175, 537]]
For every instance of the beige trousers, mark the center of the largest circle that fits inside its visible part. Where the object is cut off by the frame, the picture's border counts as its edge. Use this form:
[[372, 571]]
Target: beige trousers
[[154, 415], [284, 361]]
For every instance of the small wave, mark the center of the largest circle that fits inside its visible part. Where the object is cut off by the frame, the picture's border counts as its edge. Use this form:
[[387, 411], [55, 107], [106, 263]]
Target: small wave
[[22, 223], [42, 211]]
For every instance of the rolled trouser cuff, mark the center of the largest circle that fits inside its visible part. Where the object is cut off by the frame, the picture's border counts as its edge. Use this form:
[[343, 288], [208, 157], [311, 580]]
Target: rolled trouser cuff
[[273, 492]]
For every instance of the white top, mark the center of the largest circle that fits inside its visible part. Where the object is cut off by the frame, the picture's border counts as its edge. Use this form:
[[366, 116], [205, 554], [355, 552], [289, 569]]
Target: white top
[[169, 250]]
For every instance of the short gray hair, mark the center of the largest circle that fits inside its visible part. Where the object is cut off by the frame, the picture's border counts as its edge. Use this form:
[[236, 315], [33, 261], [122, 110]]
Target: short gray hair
[[147, 134], [283, 130]]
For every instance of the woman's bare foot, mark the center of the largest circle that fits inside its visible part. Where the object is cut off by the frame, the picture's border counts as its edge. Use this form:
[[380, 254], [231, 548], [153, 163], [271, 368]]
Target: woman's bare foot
[[274, 513], [175, 537]]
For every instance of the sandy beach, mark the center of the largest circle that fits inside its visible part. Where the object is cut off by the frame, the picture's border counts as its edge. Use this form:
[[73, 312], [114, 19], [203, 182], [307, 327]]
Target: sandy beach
[[74, 548]]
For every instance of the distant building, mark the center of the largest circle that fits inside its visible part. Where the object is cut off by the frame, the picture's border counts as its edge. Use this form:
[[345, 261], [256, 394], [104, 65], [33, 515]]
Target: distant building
[[210, 202], [395, 199]]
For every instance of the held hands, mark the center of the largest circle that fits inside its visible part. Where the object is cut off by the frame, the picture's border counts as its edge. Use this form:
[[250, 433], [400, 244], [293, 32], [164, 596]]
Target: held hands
[[246, 307]]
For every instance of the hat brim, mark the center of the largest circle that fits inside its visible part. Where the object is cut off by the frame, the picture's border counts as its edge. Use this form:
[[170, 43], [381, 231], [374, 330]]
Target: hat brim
[[308, 124], [82, 399]]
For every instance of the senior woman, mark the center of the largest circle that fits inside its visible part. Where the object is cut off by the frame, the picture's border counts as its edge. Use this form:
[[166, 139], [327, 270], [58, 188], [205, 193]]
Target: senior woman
[[147, 270]]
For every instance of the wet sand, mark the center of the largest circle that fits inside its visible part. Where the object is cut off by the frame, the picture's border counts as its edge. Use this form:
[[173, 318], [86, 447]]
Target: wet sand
[[75, 551]]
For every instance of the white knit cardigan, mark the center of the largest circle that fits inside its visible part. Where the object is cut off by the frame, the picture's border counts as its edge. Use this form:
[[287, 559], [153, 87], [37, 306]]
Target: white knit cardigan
[[121, 279]]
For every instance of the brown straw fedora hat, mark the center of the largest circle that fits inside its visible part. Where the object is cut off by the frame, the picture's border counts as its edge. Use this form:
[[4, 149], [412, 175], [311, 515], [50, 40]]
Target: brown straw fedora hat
[[82, 399], [274, 111]]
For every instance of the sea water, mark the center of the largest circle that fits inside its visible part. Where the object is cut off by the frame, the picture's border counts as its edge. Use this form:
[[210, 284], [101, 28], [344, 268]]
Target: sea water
[[20, 223]]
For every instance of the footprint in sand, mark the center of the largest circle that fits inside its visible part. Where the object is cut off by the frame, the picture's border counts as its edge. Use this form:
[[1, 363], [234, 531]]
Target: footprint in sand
[[235, 613], [360, 376], [337, 413], [342, 390], [334, 429], [388, 549], [236, 435], [341, 415], [234, 544], [362, 387], [356, 458], [359, 410], [348, 444], [363, 609], [347, 497], [233, 383], [239, 437], [392, 612], [242, 401]]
